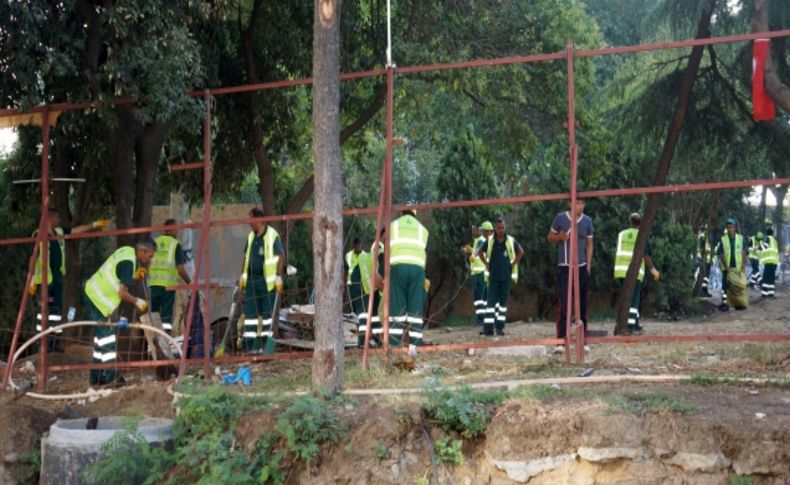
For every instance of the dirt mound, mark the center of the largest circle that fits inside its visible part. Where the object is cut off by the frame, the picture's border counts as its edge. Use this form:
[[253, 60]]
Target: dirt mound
[[22, 428]]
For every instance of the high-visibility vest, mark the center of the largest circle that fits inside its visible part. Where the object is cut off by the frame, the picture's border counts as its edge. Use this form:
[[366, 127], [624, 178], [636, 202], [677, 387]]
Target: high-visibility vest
[[626, 241], [62, 244], [476, 265], [725, 242], [510, 246], [363, 261], [270, 259], [163, 269], [102, 288], [408, 239], [753, 247], [769, 252]]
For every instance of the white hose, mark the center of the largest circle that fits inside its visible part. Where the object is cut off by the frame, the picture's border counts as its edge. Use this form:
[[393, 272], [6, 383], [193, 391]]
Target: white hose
[[90, 393]]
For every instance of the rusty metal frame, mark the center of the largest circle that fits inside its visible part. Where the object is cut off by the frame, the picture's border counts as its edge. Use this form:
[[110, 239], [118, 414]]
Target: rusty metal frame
[[383, 210]]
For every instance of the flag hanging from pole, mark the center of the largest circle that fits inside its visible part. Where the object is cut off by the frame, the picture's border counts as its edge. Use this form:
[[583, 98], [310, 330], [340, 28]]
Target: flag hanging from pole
[[763, 105]]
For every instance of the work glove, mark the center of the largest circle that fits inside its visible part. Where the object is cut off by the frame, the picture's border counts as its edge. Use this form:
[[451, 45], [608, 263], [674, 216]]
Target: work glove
[[467, 249], [290, 270], [139, 273], [427, 285], [32, 289], [243, 282], [655, 273], [141, 305], [278, 284], [101, 223]]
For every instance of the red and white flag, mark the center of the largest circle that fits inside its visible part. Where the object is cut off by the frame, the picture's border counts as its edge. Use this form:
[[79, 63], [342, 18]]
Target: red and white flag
[[763, 105]]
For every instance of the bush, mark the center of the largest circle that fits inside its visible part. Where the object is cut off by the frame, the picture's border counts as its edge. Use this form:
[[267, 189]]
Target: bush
[[464, 410], [449, 451]]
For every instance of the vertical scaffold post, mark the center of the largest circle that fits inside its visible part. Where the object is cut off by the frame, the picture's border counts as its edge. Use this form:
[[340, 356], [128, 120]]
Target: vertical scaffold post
[[43, 236], [385, 301]]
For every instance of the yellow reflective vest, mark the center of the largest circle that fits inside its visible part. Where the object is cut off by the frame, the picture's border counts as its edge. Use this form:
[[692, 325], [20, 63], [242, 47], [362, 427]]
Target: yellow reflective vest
[[408, 239], [103, 287], [626, 241], [163, 271], [476, 265], [270, 259], [769, 251], [364, 262], [725, 242], [62, 244]]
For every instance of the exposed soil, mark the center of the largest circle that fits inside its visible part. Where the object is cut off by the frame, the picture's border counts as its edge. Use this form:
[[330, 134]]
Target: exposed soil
[[585, 434]]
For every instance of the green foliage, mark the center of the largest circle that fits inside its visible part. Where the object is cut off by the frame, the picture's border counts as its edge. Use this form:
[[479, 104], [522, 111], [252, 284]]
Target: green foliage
[[306, 425], [422, 480], [657, 403], [464, 409], [449, 451], [739, 479], [382, 451]]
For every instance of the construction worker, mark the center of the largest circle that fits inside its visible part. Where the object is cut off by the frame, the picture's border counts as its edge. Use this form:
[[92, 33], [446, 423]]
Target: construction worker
[[105, 291], [56, 269], [754, 259], [375, 285], [261, 277], [560, 233], [626, 241], [408, 239], [478, 269], [166, 267], [769, 258], [732, 253], [500, 254], [357, 277]]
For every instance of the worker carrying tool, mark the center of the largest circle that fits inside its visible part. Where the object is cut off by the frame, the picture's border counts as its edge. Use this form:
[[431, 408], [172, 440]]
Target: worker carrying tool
[[104, 292], [732, 253], [626, 241], [408, 240], [479, 273], [166, 267], [261, 280], [500, 254], [56, 269]]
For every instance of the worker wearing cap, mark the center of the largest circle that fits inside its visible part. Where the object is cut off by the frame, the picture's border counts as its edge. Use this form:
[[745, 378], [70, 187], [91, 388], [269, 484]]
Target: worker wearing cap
[[56, 269], [261, 277], [104, 292], [626, 242], [732, 253], [408, 240], [769, 258], [166, 267], [500, 253], [479, 274], [754, 259]]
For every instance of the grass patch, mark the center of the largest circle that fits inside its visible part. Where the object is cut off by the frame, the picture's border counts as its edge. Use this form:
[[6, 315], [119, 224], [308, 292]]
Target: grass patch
[[677, 354], [779, 382], [656, 403], [763, 354], [539, 393]]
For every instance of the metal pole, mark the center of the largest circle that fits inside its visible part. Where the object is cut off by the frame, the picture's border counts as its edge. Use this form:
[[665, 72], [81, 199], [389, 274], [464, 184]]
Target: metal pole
[[207, 190], [374, 274], [385, 301], [44, 237], [573, 268], [389, 35]]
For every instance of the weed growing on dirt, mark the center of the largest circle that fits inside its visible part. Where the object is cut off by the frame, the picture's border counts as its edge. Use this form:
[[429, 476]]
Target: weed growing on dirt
[[464, 409], [449, 451], [677, 354], [658, 403], [740, 480], [422, 480], [382, 452], [763, 354], [780, 382], [306, 425], [32, 462]]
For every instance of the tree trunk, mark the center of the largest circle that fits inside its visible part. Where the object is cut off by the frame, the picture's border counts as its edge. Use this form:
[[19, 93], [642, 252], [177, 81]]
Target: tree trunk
[[328, 219], [148, 150], [662, 171], [123, 155], [778, 91], [761, 212], [778, 218]]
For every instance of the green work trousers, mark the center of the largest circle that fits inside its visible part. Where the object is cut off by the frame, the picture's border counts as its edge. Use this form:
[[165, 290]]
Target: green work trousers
[[103, 346], [768, 285], [496, 308], [633, 310], [257, 319], [375, 322], [479, 292], [407, 299], [162, 301], [54, 310]]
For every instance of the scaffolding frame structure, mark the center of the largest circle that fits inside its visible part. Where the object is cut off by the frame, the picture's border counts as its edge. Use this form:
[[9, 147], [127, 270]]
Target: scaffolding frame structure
[[574, 335]]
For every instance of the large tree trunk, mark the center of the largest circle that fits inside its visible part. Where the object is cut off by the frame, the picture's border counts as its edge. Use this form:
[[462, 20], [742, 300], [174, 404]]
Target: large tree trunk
[[122, 153], [778, 218], [328, 218], [778, 91], [148, 150], [662, 171]]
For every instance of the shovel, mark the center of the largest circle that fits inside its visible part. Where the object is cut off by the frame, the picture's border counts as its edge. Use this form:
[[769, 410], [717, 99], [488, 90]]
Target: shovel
[[233, 316]]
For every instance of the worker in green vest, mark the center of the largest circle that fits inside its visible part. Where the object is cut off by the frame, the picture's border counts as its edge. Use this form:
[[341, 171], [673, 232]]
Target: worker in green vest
[[732, 253], [375, 285], [104, 292], [769, 258], [703, 258], [261, 278], [357, 268], [408, 239], [478, 269], [754, 258], [56, 269], [166, 267], [626, 242], [500, 254]]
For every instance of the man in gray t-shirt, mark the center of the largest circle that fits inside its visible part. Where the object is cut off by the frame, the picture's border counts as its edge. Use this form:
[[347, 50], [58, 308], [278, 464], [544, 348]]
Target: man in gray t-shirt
[[560, 233]]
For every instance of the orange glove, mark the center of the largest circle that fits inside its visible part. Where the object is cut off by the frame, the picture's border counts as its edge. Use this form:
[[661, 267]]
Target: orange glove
[[32, 289], [101, 223], [278, 284], [140, 273]]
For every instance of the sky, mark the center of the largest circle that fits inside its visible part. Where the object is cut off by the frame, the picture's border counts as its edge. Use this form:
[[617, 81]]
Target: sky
[[7, 140]]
